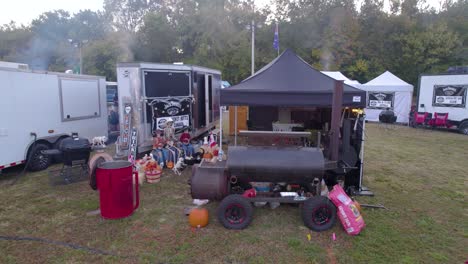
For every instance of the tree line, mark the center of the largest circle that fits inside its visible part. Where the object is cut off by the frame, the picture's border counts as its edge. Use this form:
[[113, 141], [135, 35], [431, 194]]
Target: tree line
[[361, 40]]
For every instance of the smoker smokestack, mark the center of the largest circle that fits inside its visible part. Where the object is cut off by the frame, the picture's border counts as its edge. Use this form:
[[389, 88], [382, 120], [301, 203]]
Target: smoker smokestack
[[337, 105]]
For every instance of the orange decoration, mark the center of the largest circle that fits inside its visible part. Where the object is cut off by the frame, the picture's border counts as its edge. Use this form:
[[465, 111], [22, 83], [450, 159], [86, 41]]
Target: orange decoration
[[198, 217], [208, 156], [170, 164]]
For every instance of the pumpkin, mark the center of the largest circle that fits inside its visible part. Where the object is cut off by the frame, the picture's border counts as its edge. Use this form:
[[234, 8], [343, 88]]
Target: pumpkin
[[198, 217], [170, 165], [208, 156]]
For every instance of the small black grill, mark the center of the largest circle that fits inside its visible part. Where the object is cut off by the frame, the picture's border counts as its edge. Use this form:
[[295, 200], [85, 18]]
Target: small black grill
[[387, 117], [75, 151]]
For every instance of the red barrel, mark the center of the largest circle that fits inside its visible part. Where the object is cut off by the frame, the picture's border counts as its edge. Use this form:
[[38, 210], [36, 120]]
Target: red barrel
[[118, 189]]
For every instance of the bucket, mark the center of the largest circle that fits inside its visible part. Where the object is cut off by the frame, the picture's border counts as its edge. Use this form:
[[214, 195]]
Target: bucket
[[153, 176], [118, 189]]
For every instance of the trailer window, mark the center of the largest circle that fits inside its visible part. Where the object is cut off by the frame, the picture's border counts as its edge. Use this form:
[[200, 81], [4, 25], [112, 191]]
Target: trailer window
[[79, 99], [165, 84]]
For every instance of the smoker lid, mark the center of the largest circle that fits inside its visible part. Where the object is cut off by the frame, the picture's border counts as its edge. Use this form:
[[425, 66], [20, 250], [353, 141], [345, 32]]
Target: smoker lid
[[74, 144]]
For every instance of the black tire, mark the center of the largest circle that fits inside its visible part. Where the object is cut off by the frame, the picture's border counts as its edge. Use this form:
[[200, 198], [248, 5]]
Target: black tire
[[38, 161], [319, 213], [463, 128], [235, 212]]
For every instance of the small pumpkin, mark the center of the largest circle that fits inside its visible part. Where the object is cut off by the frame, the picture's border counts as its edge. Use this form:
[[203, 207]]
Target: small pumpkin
[[198, 217], [170, 165], [208, 156]]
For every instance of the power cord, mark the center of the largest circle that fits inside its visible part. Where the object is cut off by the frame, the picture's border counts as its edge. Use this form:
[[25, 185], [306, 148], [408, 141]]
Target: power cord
[[58, 243], [28, 159]]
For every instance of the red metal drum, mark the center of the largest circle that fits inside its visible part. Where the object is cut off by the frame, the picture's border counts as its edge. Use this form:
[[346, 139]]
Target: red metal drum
[[118, 189]]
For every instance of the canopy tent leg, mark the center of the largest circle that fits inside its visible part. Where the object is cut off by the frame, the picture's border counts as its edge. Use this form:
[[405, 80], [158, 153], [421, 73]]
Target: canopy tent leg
[[363, 191], [220, 128]]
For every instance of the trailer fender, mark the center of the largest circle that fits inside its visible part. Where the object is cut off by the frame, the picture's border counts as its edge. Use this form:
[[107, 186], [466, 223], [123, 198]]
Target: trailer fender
[[50, 140]]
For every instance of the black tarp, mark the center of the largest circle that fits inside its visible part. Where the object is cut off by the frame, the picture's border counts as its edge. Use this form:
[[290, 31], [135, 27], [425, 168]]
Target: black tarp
[[289, 81]]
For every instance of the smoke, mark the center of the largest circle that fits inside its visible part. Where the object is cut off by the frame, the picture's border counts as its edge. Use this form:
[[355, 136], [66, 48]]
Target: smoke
[[333, 37], [126, 42], [45, 54], [326, 59]]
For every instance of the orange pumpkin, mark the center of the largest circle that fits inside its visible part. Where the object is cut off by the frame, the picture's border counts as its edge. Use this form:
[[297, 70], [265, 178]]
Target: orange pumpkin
[[208, 156], [198, 217], [170, 165]]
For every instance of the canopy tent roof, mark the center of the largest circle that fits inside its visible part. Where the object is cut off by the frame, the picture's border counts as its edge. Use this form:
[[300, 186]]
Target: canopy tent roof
[[289, 81], [341, 77], [387, 81]]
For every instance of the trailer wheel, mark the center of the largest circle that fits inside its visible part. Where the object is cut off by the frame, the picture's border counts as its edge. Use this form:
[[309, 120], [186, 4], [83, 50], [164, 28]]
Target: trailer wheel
[[463, 128], [235, 212], [319, 213], [39, 161]]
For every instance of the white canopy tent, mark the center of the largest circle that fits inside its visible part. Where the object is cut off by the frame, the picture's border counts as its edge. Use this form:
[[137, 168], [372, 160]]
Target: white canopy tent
[[341, 77], [388, 91]]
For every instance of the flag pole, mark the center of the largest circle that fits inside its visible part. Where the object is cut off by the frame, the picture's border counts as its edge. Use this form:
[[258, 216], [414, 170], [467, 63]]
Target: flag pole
[[252, 28], [277, 29]]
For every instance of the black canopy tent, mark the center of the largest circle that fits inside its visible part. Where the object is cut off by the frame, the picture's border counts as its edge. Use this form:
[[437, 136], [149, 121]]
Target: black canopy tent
[[288, 81]]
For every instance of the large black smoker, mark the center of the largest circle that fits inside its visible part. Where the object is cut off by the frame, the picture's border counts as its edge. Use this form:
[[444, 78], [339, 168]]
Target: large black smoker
[[286, 161]]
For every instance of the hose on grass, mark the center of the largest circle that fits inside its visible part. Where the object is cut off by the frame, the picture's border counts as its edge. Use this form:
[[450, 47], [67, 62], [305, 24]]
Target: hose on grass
[[58, 243]]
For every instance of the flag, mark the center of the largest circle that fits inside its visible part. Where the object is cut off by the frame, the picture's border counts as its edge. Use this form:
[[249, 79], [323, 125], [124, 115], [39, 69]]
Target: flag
[[276, 39]]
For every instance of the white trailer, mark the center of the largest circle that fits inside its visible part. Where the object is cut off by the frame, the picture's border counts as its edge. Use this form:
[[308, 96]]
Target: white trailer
[[150, 93], [47, 107], [445, 93]]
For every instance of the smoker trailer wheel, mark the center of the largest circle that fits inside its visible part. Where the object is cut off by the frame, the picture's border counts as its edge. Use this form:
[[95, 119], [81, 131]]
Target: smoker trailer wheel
[[236, 211], [319, 213]]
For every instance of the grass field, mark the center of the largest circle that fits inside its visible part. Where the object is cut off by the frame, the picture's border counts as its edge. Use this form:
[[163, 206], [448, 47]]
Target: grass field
[[419, 175]]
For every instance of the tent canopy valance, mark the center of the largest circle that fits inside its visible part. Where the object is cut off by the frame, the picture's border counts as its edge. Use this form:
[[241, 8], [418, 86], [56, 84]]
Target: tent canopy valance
[[289, 81]]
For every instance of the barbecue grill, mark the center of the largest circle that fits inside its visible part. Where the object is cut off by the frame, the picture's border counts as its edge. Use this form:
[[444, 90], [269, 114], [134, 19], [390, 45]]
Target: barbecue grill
[[387, 117], [74, 152]]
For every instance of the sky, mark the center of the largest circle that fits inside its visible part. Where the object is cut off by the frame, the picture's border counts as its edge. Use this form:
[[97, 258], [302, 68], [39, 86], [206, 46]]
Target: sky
[[24, 11]]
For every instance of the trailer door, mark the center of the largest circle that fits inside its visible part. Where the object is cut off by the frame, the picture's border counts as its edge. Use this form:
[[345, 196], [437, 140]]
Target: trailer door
[[201, 99], [209, 98]]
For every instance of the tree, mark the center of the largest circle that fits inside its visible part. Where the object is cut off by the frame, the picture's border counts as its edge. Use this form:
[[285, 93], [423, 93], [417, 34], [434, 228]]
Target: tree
[[101, 57], [426, 51], [128, 15]]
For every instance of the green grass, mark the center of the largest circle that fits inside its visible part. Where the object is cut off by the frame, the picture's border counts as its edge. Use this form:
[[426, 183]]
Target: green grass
[[419, 175]]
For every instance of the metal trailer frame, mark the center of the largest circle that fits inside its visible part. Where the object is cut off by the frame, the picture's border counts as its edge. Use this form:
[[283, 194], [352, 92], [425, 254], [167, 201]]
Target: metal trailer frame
[[132, 93], [41, 111]]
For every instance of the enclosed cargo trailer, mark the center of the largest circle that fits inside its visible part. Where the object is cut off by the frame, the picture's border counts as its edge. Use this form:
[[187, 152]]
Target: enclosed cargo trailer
[[150, 93], [47, 107], [445, 93]]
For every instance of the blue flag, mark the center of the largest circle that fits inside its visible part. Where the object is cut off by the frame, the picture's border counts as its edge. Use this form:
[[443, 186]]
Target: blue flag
[[276, 39]]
